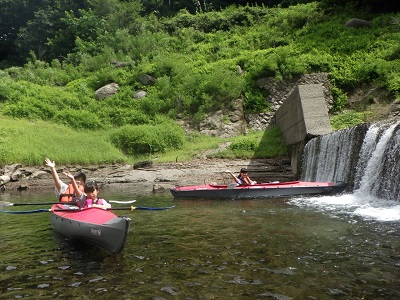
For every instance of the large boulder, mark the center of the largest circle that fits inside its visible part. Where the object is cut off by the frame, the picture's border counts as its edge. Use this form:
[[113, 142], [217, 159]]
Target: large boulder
[[106, 91], [357, 23]]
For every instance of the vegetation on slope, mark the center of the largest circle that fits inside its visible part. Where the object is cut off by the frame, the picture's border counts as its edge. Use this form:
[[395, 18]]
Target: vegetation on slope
[[195, 59]]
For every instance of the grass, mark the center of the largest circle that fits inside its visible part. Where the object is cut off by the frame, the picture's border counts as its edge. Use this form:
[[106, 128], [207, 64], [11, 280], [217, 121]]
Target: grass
[[349, 118], [256, 144], [29, 142]]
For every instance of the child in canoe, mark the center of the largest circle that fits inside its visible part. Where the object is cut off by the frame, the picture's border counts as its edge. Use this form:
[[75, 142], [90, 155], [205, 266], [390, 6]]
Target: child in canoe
[[242, 178], [66, 192], [91, 191], [89, 197]]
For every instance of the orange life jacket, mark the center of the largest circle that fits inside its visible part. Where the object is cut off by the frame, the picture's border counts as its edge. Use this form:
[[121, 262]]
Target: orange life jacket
[[68, 195]]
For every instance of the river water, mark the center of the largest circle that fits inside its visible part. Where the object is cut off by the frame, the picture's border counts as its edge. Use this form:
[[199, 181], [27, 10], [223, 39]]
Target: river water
[[336, 247]]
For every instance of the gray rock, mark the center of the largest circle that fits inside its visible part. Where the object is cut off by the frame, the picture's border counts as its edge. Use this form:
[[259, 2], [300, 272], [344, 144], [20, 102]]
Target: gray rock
[[146, 79], [140, 94], [106, 91], [357, 23]]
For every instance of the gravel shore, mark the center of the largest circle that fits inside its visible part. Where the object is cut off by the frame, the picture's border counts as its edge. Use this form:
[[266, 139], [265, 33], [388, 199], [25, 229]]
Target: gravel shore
[[155, 176]]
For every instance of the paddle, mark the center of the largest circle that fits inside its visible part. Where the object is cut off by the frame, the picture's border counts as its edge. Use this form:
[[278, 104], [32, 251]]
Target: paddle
[[121, 202], [25, 211], [41, 203], [131, 208], [51, 203]]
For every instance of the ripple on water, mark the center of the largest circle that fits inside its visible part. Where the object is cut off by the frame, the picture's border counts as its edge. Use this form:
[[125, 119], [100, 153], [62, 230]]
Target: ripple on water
[[207, 250]]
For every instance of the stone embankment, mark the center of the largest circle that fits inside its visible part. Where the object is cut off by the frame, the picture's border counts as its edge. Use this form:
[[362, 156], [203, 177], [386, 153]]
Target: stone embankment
[[152, 178]]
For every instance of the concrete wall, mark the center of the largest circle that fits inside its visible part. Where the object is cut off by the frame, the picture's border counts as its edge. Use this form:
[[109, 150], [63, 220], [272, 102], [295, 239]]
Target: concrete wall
[[302, 116]]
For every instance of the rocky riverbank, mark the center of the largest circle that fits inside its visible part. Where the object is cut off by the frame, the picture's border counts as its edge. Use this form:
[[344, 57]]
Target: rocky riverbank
[[152, 177]]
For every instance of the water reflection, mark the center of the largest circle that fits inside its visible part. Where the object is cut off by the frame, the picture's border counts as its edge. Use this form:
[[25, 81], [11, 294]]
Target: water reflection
[[261, 249]]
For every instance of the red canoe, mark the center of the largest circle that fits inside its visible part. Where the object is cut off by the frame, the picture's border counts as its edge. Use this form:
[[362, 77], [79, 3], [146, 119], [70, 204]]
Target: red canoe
[[95, 226], [261, 190]]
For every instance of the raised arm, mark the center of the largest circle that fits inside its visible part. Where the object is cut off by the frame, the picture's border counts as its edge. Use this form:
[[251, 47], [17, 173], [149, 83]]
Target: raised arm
[[77, 191], [233, 176], [54, 174]]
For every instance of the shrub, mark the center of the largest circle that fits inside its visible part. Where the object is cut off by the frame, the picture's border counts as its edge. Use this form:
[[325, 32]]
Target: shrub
[[148, 139], [347, 119], [79, 119], [339, 99], [243, 143]]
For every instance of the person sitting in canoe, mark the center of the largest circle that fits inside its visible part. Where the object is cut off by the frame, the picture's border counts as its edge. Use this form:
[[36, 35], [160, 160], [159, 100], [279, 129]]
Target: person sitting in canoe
[[66, 193], [91, 191], [88, 197], [242, 178]]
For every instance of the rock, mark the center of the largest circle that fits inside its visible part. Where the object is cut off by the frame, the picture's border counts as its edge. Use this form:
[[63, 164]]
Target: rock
[[162, 188], [239, 70], [119, 64], [106, 91], [357, 23], [140, 94], [146, 79], [4, 179], [22, 187], [39, 174], [9, 169], [160, 177], [143, 164], [16, 175]]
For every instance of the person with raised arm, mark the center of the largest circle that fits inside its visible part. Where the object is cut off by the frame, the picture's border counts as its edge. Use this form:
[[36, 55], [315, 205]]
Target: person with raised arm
[[67, 193], [242, 178]]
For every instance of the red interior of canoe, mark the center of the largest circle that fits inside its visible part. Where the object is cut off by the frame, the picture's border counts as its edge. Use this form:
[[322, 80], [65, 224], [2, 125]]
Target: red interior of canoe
[[90, 215], [219, 186], [255, 186]]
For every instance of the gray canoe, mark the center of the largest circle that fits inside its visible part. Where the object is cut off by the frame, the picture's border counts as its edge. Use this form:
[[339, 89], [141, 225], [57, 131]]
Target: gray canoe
[[95, 226]]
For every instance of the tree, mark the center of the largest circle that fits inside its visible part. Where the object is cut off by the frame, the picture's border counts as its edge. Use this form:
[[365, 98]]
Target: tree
[[27, 25], [14, 15]]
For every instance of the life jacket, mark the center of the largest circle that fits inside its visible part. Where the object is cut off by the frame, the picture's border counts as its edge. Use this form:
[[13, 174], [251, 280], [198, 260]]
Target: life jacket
[[244, 180], [99, 201], [69, 195], [90, 202]]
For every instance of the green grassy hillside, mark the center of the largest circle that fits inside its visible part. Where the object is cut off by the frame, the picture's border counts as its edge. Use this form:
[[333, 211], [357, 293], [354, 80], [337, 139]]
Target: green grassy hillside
[[194, 59]]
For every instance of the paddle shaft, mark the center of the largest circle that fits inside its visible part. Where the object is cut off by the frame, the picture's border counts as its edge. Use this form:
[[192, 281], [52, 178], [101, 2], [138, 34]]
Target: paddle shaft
[[41, 203], [51, 203], [132, 208]]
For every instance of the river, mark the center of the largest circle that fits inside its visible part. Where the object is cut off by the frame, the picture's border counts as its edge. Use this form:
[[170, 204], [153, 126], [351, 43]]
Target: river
[[295, 248]]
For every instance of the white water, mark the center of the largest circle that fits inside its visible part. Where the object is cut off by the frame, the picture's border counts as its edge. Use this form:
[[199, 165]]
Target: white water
[[376, 194], [368, 208]]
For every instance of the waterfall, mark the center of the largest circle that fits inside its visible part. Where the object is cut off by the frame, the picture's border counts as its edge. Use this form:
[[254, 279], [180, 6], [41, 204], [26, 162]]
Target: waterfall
[[331, 157], [367, 157]]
